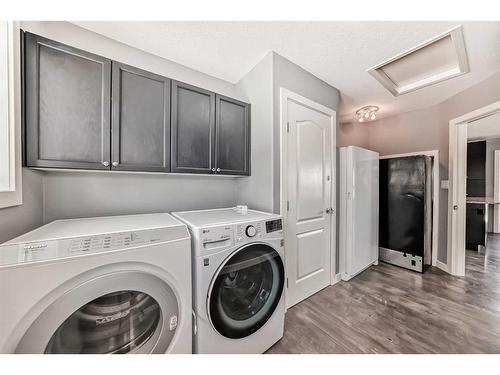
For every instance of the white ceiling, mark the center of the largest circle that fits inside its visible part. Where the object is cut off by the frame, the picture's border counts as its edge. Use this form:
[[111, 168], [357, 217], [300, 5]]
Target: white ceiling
[[337, 52]]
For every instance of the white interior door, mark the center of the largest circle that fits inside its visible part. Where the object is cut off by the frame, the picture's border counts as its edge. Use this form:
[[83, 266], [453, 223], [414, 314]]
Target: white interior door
[[309, 175]]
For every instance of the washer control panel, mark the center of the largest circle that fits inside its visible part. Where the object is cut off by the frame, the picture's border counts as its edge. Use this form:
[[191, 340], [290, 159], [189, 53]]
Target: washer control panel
[[246, 231], [214, 239], [250, 231]]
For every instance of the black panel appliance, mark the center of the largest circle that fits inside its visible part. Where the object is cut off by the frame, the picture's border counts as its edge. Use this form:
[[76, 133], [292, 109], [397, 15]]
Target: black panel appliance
[[405, 228]]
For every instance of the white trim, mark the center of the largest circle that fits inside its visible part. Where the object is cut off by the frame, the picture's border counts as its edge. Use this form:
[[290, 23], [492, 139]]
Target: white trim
[[457, 39], [13, 196], [336, 278], [435, 196], [286, 95], [457, 188], [496, 192], [443, 266]]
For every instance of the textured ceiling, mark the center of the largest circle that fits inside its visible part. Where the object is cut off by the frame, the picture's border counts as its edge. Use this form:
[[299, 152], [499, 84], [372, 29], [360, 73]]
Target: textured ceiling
[[337, 52]]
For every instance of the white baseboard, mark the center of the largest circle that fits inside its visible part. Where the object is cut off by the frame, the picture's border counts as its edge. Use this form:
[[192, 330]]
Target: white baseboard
[[336, 279]]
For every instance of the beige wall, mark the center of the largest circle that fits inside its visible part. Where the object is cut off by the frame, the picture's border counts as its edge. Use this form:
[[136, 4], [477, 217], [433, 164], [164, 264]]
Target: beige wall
[[425, 129]]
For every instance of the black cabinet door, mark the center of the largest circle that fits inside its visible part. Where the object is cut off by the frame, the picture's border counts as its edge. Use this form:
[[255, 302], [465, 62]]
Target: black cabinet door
[[193, 130], [476, 160], [232, 130], [67, 103], [475, 232], [140, 121]]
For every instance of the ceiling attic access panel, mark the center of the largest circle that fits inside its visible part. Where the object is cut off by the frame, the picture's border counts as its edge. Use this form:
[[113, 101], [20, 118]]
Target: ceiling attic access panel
[[439, 59]]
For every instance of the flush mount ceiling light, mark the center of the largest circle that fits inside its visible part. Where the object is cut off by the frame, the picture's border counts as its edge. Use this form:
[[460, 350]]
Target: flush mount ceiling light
[[441, 58], [367, 113]]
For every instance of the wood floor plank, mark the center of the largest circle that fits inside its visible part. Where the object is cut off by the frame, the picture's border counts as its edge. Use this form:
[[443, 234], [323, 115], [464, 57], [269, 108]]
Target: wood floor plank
[[388, 309]]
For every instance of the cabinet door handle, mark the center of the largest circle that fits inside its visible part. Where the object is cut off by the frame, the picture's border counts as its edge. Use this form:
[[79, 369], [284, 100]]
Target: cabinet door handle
[[105, 163], [213, 170], [115, 163], [218, 170]]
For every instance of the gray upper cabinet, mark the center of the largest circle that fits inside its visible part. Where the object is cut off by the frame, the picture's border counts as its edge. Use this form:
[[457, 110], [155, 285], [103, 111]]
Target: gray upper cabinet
[[140, 121], [193, 129], [67, 106], [232, 129], [83, 111]]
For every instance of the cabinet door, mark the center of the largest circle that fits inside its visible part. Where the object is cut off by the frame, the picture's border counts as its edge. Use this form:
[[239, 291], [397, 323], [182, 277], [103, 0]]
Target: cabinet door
[[193, 115], [476, 160], [141, 120], [232, 129], [475, 233], [67, 106]]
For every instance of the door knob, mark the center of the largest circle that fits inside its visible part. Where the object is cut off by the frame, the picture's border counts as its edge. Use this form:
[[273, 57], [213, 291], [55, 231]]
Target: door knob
[[213, 169], [218, 170], [115, 163], [105, 163]]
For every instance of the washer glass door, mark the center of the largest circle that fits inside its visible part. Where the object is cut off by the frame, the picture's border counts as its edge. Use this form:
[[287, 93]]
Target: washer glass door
[[246, 290]]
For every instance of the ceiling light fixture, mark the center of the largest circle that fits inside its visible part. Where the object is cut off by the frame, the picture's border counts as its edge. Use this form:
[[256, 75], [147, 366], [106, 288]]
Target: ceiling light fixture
[[367, 113]]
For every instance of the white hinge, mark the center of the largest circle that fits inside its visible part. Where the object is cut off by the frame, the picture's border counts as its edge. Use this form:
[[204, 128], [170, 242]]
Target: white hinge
[[288, 205], [288, 127]]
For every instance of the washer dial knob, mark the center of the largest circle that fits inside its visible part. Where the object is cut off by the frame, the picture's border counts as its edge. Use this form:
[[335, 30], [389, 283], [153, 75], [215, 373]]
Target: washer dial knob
[[251, 231]]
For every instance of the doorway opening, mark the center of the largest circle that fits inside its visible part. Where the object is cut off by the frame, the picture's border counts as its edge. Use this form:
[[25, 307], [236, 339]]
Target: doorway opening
[[474, 199]]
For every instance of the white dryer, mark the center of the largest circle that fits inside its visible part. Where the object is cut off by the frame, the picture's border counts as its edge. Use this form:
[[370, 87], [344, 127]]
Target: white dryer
[[238, 280], [117, 284]]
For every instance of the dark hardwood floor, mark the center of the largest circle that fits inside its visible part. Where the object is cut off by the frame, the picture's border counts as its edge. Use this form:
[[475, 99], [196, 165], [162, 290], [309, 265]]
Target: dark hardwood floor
[[387, 309]]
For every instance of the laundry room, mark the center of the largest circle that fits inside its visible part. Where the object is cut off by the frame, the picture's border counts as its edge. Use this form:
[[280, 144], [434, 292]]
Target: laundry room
[[234, 186]]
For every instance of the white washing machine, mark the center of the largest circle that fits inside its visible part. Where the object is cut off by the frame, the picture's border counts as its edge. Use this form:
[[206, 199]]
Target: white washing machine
[[238, 280], [117, 284]]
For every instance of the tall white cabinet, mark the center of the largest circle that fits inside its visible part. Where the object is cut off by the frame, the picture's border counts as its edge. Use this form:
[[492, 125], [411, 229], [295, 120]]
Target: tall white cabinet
[[359, 210]]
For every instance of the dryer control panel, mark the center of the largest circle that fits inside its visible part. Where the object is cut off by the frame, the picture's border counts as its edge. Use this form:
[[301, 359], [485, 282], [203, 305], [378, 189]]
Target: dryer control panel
[[67, 247]]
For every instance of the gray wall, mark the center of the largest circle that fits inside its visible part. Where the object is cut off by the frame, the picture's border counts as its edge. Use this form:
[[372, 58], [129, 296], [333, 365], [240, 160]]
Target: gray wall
[[20, 219], [84, 194], [262, 86], [256, 191], [425, 129], [292, 77]]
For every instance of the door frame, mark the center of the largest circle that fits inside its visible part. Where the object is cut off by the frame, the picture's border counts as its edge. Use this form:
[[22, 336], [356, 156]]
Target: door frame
[[435, 200], [286, 95], [457, 186]]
